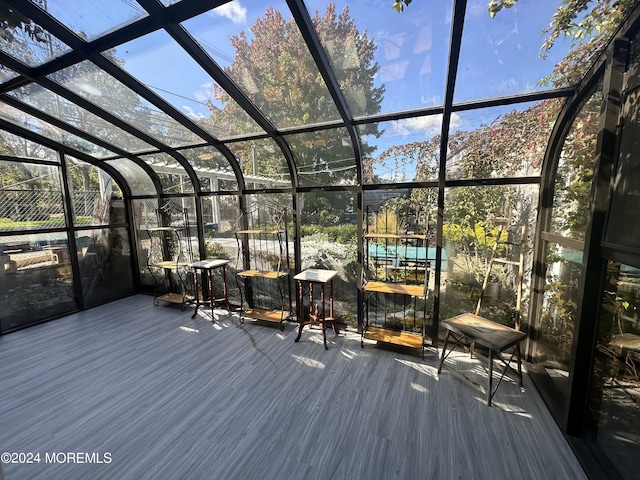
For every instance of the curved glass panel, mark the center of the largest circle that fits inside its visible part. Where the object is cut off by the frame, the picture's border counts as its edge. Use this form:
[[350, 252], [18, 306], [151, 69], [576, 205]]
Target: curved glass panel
[[30, 197], [6, 74], [213, 169], [95, 196], [172, 175], [501, 56], [182, 83], [100, 88], [36, 280], [28, 42], [91, 19], [262, 163], [500, 142], [138, 180], [385, 61], [61, 108], [402, 150], [52, 132], [14, 146], [324, 157], [278, 76], [574, 174]]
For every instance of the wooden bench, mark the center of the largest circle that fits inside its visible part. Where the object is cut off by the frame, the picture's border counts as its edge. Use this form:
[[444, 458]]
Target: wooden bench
[[474, 330]]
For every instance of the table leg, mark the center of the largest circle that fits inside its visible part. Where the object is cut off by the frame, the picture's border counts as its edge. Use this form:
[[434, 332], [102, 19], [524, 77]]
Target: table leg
[[490, 392], [197, 293], [300, 310], [224, 287], [324, 326], [444, 351], [519, 363]]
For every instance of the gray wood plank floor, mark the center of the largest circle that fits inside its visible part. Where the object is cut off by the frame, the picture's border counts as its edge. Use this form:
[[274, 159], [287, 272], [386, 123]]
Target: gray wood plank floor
[[170, 397]]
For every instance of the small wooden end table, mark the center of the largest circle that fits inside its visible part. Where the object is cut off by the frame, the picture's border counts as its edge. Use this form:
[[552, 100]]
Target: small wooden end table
[[317, 315], [207, 267]]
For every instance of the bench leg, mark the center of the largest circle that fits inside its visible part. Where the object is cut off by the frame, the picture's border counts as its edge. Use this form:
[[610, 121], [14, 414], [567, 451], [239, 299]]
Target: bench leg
[[490, 391]]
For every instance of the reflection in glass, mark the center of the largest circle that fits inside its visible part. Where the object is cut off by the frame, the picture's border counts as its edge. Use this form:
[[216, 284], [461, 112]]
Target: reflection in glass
[[402, 150], [96, 197], [570, 211], [138, 180], [473, 216], [14, 146], [324, 157], [556, 326], [66, 111], [35, 279], [182, 83], [91, 19], [30, 197], [501, 141], [104, 259], [614, 408], [103, 90], [47, 130], [262, 164], [144, 217], [212, 168], [170, 172]]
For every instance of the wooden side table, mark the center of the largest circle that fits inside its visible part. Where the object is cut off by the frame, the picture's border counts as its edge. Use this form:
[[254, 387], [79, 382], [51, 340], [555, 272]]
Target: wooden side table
[[317, 313], [206, 268]]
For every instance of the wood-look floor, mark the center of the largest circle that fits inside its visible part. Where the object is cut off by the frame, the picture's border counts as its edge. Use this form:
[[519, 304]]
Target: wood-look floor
[[170, 397]]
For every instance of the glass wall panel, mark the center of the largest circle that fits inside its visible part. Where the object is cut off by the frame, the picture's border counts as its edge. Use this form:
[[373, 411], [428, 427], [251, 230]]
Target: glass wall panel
[[14, 146], [172, 175], [144, 217], [402, 150], [104, 258], [614, 406], [502, 56], [56, 134], [30, 197], [138, 180], [262, 164], [500, 142], [324, 157], [182, 83], [385, 61], [574, 175], [473, 216], [92, 19], [268, 59], [36, 282], [212, 168], [98, 87], [66, 111], [556, 326], [28, 42]]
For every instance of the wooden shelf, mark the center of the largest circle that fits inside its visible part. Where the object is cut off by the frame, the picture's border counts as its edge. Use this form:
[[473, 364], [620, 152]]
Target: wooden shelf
[[258, 232], [404, 339], [395, 236], [174, 298], [399, 288], [165, 229], [275, 316], [170, 264], [262, 274]]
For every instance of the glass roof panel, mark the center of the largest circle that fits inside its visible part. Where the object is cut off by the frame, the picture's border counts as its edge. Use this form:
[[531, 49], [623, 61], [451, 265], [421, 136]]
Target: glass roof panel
[[61, 108], [507, 141], [6, 74], [172, 175], [138, 180], [270, 62], [24, 120], [402, 150], [14, 146], [386, 61], [90, 19], [324, 157], [262, 163], [98, 87], [28, 42], [500, 56], [213, 169], [181, 82]]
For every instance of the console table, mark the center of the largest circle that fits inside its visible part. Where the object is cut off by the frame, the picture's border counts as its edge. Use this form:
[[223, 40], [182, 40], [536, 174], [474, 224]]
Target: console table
[[495, 337], [207, 267], [317, 314]]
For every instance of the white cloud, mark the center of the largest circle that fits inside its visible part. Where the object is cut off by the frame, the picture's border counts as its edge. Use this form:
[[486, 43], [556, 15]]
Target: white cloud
[[233, 11], [192, 114], [429, 125]]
